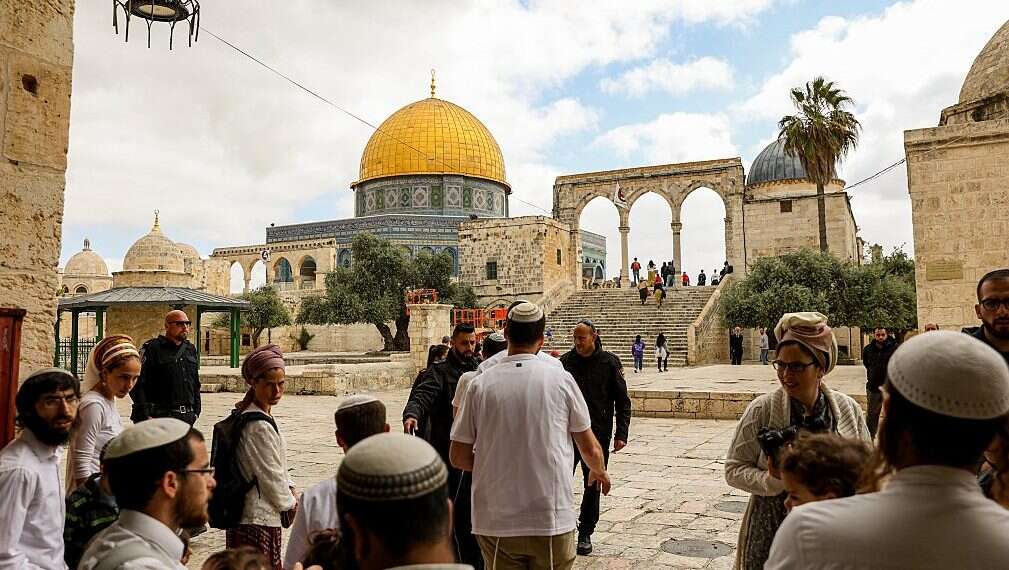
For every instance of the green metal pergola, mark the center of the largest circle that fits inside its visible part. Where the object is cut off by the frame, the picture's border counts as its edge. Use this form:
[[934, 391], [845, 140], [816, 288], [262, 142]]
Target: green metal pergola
[[175, 297]]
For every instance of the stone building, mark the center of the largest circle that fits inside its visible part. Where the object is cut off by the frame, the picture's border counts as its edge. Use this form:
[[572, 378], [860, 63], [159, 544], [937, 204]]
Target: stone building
[[958, 178], [85, 272], [36, 59]]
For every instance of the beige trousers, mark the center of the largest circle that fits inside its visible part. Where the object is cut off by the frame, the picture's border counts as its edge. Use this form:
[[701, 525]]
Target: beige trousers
[[528, 552]]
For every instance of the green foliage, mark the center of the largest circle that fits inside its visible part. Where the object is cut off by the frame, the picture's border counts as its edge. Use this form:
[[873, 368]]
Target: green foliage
[[878, 294], [267, 311], [304, 337], [373, 289]]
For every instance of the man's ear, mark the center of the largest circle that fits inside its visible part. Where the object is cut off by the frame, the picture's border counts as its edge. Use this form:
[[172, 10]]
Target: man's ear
[[171, 484], [386, 429]]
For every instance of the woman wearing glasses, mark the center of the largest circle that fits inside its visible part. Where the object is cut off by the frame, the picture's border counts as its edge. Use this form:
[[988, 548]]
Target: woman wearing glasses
[[807, 351], [112, 371]]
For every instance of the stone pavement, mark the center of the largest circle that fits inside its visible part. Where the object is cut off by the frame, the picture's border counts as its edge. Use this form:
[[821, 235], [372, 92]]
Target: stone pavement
[[667, 483]]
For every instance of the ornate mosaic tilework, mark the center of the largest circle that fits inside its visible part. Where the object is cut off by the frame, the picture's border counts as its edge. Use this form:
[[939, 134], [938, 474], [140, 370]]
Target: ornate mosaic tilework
[[436, 197], [467, 197], [498, 204], [404, 198], [390, 198], [420, 197], [480, 200], [370, 202], [453, 197]]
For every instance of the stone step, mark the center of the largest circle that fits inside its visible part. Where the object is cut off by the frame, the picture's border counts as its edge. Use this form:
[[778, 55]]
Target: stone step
[[211, 388]]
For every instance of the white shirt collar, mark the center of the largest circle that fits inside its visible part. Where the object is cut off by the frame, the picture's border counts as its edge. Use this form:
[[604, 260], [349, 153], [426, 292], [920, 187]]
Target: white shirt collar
[[42, 450], [933, 475], [153, 531]]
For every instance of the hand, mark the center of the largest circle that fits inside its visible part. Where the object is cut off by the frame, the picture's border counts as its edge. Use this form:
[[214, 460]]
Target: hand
[[298, 566], [602, 479], [772, 468], [410, 425], [618, 444]]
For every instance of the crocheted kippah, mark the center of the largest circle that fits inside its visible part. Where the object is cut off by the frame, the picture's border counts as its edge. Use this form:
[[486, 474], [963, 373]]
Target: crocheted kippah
[[952, 374], [391, 467]]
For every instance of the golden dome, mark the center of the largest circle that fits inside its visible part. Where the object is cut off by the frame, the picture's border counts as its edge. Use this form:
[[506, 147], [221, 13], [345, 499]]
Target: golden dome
[[432, 136]]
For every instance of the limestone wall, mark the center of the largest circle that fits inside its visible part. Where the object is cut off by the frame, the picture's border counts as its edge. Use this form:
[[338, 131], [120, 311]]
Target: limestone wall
[[326, 379], [36, 57], [771, 231], [142, 322], [151, 279], [958, 178], [532, 255], [707, 339], [428, 324]]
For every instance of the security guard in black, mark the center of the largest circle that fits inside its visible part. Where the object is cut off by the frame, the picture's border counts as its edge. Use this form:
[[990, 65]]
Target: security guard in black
[[169, 384]]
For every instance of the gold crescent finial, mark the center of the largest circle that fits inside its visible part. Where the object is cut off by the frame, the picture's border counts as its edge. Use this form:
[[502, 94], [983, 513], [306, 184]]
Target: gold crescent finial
[[432, 83], [157, 223]]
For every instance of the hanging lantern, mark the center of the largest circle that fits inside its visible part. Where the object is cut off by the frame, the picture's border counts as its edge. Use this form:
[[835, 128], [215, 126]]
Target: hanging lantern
[[169, 12]]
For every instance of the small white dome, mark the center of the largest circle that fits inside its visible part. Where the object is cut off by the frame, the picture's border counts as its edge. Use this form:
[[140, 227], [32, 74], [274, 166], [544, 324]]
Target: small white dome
[[86, 263], [154, 252]]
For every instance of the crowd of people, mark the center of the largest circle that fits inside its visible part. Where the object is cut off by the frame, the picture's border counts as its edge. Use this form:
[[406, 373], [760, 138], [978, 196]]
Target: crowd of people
[[666, 276], [482, 475]]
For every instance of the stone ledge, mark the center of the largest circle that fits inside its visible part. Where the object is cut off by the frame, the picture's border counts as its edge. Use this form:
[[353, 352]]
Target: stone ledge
[[696, 405]]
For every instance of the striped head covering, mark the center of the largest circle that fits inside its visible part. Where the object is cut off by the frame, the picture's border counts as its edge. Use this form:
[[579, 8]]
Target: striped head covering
[[108, 352], [391, 467], [266, 357]]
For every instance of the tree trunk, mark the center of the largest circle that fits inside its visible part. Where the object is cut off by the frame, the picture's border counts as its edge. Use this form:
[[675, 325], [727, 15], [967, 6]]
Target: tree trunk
[[821, 216], [387, 340], [403, 330], [256, 333]]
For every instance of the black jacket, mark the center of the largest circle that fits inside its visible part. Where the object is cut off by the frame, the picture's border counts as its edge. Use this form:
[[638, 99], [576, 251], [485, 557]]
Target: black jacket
[[601, 380], [979, 334], [431, 399], [735, 342], [875, 358], [169, 379]]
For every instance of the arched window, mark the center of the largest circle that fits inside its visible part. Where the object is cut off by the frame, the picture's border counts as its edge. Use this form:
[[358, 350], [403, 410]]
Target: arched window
[[307, 273], [343, 259], [81, 290], [282, 272]]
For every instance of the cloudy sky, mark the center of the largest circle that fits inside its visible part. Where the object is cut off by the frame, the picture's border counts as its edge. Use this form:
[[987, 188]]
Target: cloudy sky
[[223, 148]]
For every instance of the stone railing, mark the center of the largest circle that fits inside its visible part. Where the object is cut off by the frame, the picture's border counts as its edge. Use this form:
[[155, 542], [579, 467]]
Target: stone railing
[[556, 295], [707, 339]]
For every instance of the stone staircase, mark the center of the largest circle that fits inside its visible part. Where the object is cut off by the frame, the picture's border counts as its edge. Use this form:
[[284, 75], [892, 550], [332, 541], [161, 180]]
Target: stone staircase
[[619, 316]]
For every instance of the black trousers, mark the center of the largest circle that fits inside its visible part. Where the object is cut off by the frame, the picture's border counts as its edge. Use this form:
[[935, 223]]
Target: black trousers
[[588, 516], [466, 547], [737, 356], [874, 399]]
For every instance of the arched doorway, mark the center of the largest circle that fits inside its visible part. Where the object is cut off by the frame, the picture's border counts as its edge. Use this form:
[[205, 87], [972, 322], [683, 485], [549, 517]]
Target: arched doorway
[[702, 237], [651, 234], [236, 282], [283, 276], [306, 273], [600, 217], [257, 275]]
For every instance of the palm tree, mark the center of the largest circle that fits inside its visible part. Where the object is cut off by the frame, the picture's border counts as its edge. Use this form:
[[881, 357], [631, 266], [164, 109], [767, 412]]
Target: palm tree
[[820, 134]]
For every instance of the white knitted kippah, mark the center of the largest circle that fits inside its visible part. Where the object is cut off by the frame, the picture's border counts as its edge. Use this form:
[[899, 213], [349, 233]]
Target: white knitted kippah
[[355, 400], [952, 374], [525, 313], [147, 434], [391, 467]]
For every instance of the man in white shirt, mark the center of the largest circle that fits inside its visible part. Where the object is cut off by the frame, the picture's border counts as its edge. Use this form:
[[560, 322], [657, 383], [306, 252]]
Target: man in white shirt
[[945, 398], [521, 416], [31, 534], [160, 474], [357, 417]]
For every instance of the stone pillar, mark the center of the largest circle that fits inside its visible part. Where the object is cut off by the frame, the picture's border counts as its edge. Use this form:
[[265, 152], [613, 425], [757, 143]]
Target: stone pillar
[[624, 259], [36, 62], [677, 227], [428, 323]]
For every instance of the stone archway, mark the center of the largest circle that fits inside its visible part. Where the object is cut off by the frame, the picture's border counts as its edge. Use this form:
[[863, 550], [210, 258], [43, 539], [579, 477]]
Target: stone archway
[[671, 181]]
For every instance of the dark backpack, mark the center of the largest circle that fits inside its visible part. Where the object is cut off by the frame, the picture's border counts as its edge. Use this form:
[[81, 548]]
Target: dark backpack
[[228, 501]]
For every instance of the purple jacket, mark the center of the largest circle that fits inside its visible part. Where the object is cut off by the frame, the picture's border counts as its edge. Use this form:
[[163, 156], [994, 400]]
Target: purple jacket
[[638, 348]]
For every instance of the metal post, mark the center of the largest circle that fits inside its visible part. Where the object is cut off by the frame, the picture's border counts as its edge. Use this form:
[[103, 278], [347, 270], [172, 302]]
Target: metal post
[[100, 322], [236, 334], [199, 339], [74, 317], [56, 331]]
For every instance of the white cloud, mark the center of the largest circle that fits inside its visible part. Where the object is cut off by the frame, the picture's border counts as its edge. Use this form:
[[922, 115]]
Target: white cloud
[[672, 137], [673, 78], [223, 147], [902, 67]]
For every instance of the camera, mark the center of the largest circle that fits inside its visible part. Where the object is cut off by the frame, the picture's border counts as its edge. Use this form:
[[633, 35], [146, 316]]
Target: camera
[[772, 440]]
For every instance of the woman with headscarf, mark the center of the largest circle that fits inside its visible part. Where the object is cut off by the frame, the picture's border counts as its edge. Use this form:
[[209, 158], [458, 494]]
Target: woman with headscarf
[[262, 455], [807, 351], [111, 372]]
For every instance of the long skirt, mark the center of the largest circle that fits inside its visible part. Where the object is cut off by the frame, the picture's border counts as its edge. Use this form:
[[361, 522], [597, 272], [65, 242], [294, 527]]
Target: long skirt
[[265, 539], [765, 516]]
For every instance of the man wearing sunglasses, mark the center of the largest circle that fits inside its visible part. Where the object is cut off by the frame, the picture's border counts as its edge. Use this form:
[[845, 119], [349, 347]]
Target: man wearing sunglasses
[[993, 309], [169, 384]]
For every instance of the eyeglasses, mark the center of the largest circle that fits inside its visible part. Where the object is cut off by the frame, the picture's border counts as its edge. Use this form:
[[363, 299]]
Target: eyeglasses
[[993, 304], [181, 323], [56, 401], [791, 366], [206, 471]]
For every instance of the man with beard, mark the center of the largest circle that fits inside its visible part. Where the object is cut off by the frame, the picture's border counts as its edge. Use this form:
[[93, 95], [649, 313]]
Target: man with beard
[[600, 376], [31, 534], [169, 384], [993, 309], [432, 400], [875, 357], [160, 474]]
